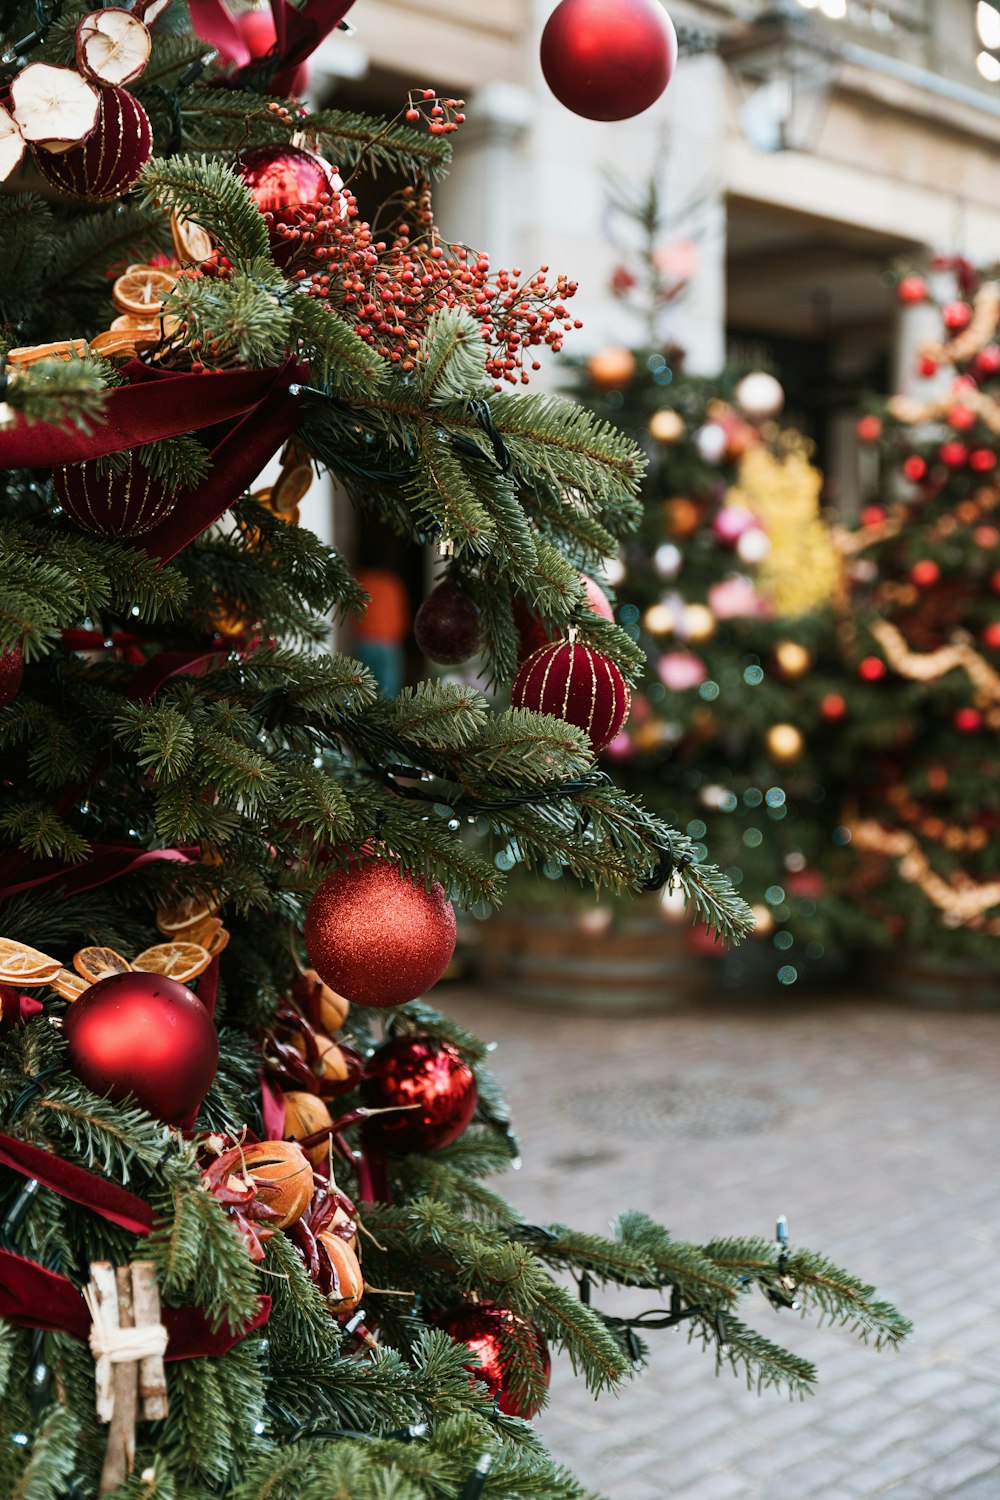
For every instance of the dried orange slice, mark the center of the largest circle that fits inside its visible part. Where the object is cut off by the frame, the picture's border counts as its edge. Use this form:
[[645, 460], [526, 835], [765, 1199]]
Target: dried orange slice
[[120, 342], [201, 932], [180, 961], [20, 964], [143, 290], [219, 942], [65, 349], [99, 963], [69, 985], [292, 485], [185, 913], [160, 325], [192, 244]]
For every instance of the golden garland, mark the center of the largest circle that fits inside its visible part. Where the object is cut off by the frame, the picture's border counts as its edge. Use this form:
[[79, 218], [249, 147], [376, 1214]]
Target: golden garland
[[928, 666], [965, 345], [965, 902]]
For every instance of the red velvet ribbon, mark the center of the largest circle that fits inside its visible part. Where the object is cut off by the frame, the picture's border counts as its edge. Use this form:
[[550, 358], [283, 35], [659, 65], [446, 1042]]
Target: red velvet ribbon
[[15, 1008], [166, 664], [272, 1108], [298, 29], [114, 1203], [33, 1297], [106, 862]]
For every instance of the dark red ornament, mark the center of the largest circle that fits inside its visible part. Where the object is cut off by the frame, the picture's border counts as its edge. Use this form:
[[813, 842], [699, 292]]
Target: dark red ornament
[[962, 418], [954, 454], [11, 675], [871, 669], [122, 505], [982, 460], [927, 366], [925, 573], [608, 59], [504, 1343], [991, 635], [289, 185], [418, 1070], [915, 468], [577, 684], [376, 937], [968, 720], [446, 627], [869, 429], [833, 706], [108, 162], [912, 289], [872, 515], [957, 316], [988, 362], [146, 1036]]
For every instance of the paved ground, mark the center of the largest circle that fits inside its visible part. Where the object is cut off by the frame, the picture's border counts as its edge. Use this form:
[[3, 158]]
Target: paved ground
[[876, 1131]]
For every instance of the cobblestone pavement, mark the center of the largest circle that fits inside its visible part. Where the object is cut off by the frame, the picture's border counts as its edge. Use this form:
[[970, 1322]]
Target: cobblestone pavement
[[876, 1131]]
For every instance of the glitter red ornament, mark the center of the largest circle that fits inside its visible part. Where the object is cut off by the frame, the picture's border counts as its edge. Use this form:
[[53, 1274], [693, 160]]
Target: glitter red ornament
[[915, 468], [912, 289], [11, 675], [871, 669], [418, 1070], [869, 429], [968, 720], [146, 1036], [446, 627], [376, 937], [109, 161], [608, 59], [290, 186], [577, 684], [506, 1346], [925, 573], [123, 505]]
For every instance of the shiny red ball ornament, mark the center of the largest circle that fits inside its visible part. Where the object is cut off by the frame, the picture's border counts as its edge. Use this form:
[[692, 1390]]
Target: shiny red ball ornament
[[288, 185], [968, 720], [982, 460], [871, 669], [925, 573], [915, 468], [122, 505], [376, 937], [418, 1070], [146, 1036], [955, 455], [912, 289], [869, 429], [608, 59], [927, 367], [11, 675], [502, 1342], [956, 316], [833, 706], [991, 635], [108, 162], [446, 627], [577, 684]]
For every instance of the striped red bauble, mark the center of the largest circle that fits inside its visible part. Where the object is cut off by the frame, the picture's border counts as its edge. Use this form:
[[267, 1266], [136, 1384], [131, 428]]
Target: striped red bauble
[[575, 683], [108, 162], [121, 505]]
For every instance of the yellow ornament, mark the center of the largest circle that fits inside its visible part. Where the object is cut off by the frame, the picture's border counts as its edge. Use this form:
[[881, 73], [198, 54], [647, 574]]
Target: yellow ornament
[[611, 369], [784, 743], [793, 659], [666, 425], [763, 920], [698, 623], [659, 619]]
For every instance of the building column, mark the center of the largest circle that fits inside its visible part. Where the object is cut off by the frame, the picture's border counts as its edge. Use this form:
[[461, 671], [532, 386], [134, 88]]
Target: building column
[[479, 202]]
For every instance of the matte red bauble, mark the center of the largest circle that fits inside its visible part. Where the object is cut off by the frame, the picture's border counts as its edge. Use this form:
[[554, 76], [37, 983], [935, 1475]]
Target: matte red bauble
[[108, 162], [288, 184], [503, 1343], [446, 627], [376, 937], [146, 1036], [608, 59], [120, 505], [577, 684], [419, 1070], [11, 675]]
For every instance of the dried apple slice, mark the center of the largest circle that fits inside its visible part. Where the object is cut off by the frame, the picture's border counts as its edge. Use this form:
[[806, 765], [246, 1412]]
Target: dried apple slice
[[54, 107], [112, 46], [11, 144]]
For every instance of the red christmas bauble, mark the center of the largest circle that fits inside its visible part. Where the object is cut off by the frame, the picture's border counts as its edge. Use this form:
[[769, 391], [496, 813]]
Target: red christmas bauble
[[995, 583], [915, 468], [988, 362], [418, 1070], [872, 515], [108, 162], [833, 706], [991, 635], [912, 289], [446, 627], [962, 418], [146, 1036], [871, 669], [608, 59], [122, 505], [869, 429], [968, 720], [502, 1342], [925, 573], [577, 684], [982, 460], [954, 454], [957, 316], [927, 367], [11, 675], [376, 937], [288, 185]]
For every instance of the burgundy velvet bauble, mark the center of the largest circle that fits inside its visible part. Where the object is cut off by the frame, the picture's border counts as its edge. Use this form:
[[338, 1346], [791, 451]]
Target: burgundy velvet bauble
[[11, 674], [577, 684], [418, 1070], [503, 1343], [146, 1036], [376, 937], [608, 59], [447, 625], [108, 162], [121, 505], [287, 183]]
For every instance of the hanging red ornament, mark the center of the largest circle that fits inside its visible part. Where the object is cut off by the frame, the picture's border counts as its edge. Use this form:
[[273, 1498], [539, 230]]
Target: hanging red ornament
[[954, 454], [577, 684], [872, 515], [418, 1070], [833, 706], [289, 185], [962, 418], [968, 720], [991, 635], [505, 1346], [925, 573], [871, 669], [956, 316], [927, 366], [11, 675], [988, 362], [608, 59], [869, 429], [146, 1036], [376, 937], [982, 460], [912, 289], [108, 162], [122, 505], [915, 468], [446, 627]]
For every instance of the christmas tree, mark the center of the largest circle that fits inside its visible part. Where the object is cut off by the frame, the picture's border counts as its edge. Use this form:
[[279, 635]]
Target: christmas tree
[[923, 640], [241, 1157]]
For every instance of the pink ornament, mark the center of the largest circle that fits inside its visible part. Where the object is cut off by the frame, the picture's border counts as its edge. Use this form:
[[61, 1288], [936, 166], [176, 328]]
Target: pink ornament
[[620, 748], [676, 261], [596, 599], [730, 523], [680, 670], [734, 597]]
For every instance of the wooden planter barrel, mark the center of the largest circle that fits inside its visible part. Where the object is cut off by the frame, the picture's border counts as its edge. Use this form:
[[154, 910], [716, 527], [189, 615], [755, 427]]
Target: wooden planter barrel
[[935, 982], [552, 960]]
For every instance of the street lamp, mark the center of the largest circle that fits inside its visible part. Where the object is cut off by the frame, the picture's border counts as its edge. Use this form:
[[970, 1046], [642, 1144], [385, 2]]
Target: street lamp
[[786, 67]]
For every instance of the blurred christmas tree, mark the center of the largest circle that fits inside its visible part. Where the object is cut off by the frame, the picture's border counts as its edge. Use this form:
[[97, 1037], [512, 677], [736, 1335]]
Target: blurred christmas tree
[[925, 643]]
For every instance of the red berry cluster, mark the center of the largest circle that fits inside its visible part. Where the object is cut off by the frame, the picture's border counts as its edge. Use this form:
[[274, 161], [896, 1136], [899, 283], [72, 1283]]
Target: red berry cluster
[[443, 116]]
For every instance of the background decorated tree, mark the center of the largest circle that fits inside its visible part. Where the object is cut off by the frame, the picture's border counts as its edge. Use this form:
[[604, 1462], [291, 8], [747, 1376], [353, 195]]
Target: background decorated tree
[[239, 1154], [924, 642]]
